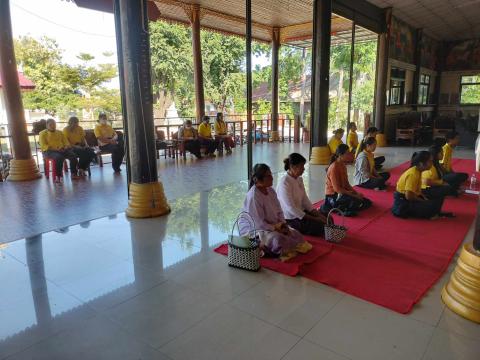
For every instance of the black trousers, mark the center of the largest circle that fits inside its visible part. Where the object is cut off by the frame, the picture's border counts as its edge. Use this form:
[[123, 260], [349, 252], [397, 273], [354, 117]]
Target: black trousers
[[59, 157], [85, 156], [117, 152], [193, 146], [376, 182], [307, 227], [345, 203], [455, 179], [210, 144], [416, 209], [379, 160]]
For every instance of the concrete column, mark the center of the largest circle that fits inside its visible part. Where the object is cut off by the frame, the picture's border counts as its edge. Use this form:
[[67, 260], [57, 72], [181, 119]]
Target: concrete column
[[275, 56], [146, 196], [322, 18], [23, 166], [197, 62]]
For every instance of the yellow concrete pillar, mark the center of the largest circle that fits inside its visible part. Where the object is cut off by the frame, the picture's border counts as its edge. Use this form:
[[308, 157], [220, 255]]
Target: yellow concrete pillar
[[381, 140], [462, 293], [321, 155], [147, 200]]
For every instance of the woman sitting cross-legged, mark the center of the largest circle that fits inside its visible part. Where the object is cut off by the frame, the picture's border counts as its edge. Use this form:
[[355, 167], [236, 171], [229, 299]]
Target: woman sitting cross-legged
[[261, 202], [433, 184], [76, 137], [409, 201], [338, 191], [365, 174], [297, 207]]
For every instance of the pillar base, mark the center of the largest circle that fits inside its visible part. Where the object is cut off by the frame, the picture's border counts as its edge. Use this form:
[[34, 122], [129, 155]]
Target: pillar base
[[462, 293], [274, 136], [321, 155], [147, 200], [381, 140], [23, 170]]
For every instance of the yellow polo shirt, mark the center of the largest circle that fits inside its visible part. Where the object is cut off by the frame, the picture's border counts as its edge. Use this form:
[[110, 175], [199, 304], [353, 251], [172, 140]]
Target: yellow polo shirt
[[447, 157], [333, 144], [52, 140], [75, 136], [104, 131], [205, 130], [432, 175], [371, 161], [352, 140], [410, 180], [220, 128]]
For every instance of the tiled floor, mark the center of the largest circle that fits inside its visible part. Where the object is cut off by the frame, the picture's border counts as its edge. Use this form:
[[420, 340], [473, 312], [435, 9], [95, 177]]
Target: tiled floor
[[115, 288]]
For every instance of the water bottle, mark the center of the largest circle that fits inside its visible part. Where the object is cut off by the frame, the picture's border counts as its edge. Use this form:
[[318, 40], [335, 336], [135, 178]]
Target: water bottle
[[473, 182]]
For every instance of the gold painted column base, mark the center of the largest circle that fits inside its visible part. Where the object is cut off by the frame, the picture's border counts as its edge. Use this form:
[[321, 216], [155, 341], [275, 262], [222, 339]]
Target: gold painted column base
[[23, 170], [462, 293], [381, 140], [320, 155], [274, 136], [147, 200]]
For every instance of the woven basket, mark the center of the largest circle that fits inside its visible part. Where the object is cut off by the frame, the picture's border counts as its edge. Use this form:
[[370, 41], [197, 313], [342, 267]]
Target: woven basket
[[335, 233], [246, 258]]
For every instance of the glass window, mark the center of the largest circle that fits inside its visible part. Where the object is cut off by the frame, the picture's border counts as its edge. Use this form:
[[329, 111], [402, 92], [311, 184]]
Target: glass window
[[470, 90], [424, 89], [397, 86]]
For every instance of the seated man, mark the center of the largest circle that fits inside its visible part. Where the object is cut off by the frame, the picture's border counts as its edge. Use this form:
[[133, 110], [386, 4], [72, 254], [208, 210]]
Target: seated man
[[54, 145], [189, 136], [222, 136], [109, 141], [206, 138]]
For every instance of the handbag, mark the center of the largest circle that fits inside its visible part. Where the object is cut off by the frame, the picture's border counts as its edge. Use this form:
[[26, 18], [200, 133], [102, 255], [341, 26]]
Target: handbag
[[335, 233], [244, 251]]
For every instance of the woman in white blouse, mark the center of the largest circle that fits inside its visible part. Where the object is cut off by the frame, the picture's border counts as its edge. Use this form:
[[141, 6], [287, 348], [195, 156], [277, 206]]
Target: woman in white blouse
[[297, 207], [261, 202]]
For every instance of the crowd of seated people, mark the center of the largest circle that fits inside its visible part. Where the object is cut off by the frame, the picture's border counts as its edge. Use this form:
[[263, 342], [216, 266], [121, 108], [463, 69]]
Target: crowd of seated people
[[284, 216], [194, 140], [70, 144]]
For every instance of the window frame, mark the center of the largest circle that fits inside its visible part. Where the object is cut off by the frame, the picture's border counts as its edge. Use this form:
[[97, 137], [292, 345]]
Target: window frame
[[462, 84], [424, 84], [395, 76]]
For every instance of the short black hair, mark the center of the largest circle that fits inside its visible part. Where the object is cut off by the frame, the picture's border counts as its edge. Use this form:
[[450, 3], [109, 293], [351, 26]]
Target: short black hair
[[372, 129], [294, 159]]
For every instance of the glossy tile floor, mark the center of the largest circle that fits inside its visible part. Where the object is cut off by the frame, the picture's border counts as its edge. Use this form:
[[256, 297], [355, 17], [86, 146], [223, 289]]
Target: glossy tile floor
[[114, 288]]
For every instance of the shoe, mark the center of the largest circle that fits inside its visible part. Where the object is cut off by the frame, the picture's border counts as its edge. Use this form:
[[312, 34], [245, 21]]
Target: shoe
[[229, 152], [76, 177], [117, 171]]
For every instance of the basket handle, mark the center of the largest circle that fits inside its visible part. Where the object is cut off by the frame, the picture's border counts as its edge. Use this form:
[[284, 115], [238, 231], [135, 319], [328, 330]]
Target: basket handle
[[338, 211], [251, 221]]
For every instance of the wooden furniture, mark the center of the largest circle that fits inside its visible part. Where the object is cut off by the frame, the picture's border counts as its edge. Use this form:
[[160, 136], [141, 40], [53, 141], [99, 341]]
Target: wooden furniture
[[442, 125], [408, 127]]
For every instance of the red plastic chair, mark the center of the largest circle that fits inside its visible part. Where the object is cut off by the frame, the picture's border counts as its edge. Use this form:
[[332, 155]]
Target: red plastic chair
[[51, 163]]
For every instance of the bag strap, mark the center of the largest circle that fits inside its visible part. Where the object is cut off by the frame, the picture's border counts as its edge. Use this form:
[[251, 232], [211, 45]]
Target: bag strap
[[338, 211], [251, 221]]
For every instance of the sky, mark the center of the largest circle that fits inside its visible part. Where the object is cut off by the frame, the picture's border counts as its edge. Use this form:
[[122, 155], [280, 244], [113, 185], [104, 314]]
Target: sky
[[75, 29]]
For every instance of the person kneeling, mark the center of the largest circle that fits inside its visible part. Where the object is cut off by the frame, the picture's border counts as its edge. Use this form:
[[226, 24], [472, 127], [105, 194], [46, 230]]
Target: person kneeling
[[409, 201], [338, 191], [365, 174], [297, 207], [276, 237]]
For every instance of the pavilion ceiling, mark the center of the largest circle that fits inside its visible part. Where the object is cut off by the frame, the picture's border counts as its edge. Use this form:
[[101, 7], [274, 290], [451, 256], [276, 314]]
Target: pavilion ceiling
[[293, 18]]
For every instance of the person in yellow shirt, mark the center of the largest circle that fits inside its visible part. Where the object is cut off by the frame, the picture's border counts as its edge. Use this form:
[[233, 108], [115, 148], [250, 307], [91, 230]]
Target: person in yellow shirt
[[222, 136], [432, 179], [189, 137], [409, 200], [75, 135], [352, 137], [206, 138], [54, 145], [335, 141], [450, 176], [109, 141], [371, 132]]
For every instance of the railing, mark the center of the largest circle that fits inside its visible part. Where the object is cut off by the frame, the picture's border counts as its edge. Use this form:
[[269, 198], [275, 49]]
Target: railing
[[288, 126]]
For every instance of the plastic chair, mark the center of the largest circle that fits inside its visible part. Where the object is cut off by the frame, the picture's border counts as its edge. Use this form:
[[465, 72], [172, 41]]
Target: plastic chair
[[51, 163]]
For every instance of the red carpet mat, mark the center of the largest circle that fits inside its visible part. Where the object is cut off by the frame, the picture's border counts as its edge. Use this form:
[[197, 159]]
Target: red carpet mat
[[393, 262], [293, 266]]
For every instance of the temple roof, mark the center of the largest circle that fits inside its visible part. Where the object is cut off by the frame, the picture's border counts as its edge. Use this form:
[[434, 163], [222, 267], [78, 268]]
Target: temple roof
[[25, 83]]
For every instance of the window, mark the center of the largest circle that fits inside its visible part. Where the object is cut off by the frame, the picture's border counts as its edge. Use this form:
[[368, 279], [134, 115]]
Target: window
[[397, 87], [424, 89], [470, 90]]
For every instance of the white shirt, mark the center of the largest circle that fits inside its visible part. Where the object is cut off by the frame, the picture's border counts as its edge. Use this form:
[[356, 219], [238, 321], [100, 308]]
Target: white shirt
[[293, 197]]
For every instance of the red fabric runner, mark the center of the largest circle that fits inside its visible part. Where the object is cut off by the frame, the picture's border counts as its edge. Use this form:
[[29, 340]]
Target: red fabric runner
[[388, 261], [290, 267], [393, 262]]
